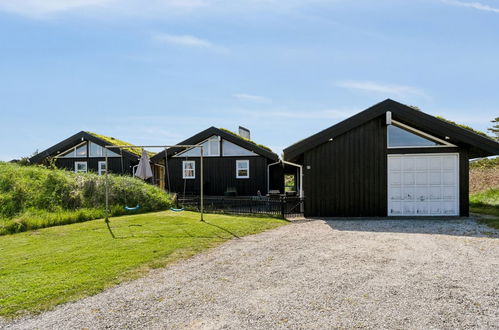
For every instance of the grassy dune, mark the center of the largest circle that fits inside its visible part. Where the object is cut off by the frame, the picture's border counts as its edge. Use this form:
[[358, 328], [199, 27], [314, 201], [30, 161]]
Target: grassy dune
[[35, 197]]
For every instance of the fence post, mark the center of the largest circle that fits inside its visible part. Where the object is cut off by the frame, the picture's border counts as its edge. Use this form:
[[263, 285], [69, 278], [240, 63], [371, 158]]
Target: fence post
[[282, 206]]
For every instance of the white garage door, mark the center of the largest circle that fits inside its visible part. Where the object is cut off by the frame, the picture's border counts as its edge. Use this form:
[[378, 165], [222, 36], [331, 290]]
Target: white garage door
[[423, 184]]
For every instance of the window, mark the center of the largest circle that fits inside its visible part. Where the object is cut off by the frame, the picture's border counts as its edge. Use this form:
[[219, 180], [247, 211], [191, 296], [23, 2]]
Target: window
[[400, 138], [242, 169], [102, 168], [231, 149], [81, 167], [79, 151], [211, 148], [188, 169], [96, 150]]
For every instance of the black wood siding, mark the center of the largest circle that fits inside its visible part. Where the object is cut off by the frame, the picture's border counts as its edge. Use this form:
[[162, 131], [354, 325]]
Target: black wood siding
[[219, 175], [114, 164], [348, 176]]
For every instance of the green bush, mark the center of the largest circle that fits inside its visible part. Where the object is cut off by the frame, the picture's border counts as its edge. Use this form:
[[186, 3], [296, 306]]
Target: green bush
[[485, 163], [35, 197]]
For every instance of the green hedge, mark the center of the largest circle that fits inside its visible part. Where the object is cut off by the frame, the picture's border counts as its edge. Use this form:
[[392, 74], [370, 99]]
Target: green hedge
[[35, 197]]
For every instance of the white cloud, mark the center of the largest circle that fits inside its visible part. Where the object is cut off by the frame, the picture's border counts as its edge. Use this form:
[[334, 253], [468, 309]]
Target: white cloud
[[44, 8], [183, 40], [391, 89], [252, 98], [161, 8], [475, 5]]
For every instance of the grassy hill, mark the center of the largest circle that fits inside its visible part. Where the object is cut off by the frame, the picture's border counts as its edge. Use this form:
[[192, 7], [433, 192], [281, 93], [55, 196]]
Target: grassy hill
[[35, 197], [484, 189], [484, 175]]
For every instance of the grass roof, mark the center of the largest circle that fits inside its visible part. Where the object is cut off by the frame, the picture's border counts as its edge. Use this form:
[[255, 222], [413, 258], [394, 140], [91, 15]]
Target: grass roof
[[245, 139], [117, 142]]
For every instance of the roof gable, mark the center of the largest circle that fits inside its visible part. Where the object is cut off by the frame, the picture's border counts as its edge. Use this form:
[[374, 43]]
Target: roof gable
[[80, 136], [224, 134], [480, 146]]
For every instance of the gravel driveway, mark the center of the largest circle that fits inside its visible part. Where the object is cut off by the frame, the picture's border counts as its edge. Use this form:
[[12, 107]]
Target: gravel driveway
[[312, 274]]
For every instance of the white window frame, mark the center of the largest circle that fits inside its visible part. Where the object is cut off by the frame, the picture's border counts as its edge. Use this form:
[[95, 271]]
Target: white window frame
[[78, 163], [417, 132], [185, 162], [99, 169], [245, 161]]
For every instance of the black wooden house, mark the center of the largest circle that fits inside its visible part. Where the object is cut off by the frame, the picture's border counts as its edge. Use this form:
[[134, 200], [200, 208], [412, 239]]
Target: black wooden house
[[85, 152], [389, 160], [233, 165]]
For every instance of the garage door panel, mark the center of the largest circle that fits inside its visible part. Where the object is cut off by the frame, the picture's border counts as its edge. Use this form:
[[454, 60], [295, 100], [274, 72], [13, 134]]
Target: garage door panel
[[422, 208], [395, 178], [421, 178], [449, 193], [435, 208], [408, 193], [448, 164], [435, 193], [408, 208], [435, 178], [408, 178], [421, 164], [448, 178], [407, 164], [421, 193], [395, 164], [423, 184], [396, 208], [435, 163]]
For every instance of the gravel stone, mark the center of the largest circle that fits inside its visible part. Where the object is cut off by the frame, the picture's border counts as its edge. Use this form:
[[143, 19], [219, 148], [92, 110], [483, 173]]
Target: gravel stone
[[421, 274]]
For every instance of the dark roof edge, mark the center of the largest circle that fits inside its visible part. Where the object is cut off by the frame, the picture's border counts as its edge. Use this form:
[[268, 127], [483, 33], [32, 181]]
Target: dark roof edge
[[463, 135], [203, 135], [49, 152]]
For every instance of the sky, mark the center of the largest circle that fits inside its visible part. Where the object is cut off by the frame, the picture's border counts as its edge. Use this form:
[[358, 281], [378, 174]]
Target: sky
[[159, 71]]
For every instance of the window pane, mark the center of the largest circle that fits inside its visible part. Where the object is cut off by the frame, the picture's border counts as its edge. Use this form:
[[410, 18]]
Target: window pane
[[399, 137], [231, 149], [188, 169], [95, 150], [242, 169], [69, 154], [80, 167], [214, 148], [81, 151]]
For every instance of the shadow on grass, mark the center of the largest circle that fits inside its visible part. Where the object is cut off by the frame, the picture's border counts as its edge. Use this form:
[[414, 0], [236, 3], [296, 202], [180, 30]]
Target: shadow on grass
[[222, 228], [187, 233]]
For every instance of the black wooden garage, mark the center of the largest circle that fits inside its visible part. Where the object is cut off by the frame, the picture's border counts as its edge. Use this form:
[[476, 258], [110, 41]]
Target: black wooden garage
[[389, 160]]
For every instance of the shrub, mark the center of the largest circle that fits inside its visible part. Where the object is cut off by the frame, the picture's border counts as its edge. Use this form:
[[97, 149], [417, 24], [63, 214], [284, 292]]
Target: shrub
[[35, 197]]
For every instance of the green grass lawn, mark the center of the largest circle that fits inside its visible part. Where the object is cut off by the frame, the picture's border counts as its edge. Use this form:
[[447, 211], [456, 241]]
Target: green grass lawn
[[486, 202], [43, 268]]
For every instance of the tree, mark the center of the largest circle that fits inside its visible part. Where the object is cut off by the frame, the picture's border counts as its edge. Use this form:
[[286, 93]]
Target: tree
[[495, 129]]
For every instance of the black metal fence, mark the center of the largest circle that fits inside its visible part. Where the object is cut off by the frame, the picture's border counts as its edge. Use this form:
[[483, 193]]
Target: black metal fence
[[283, 206]]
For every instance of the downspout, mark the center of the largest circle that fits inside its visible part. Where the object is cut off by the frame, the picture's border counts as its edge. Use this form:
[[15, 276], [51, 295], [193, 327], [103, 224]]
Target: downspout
[[268, 175]]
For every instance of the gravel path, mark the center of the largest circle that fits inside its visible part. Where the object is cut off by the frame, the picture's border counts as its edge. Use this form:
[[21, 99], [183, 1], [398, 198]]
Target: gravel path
[[312, 274]]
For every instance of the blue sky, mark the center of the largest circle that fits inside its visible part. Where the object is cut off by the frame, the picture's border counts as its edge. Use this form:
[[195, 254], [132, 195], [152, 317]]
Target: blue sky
[[159, 71]]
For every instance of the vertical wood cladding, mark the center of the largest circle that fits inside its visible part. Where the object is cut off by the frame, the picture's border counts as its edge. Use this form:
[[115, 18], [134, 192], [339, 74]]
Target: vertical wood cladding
[[348, 176], [219, 175], [114, 164]]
